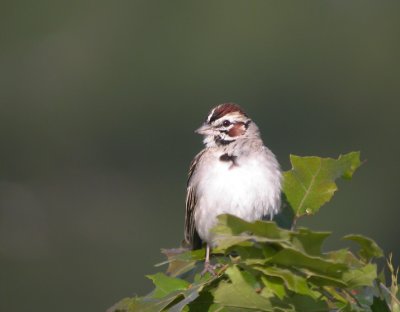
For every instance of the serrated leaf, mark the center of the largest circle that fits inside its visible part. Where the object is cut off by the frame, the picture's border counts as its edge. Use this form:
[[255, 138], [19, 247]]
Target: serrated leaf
[[322, 280], [344, 256], [248, 252], [182, 254], [368, 248], [252, 254], [379, 305], [251, 279], [311, 181], [166, 285], [231, 230], [170, 293], [125, 305], [273, 285], [205, 302], [285, 217], [229, 224], [308, 241], [351, 308], [293, 258], [238, 293], [291, 280], [236, 309], [307, 304], [181, 260], [365, 295], [142, 304], [189, 297], [358, 277], [335, 297], [201, 308]]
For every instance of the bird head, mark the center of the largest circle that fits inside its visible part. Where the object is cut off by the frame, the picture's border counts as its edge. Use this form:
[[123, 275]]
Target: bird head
[[225, 124]]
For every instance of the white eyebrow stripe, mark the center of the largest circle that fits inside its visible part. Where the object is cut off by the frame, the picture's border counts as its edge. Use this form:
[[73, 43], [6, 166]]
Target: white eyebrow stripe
[[209, 116]]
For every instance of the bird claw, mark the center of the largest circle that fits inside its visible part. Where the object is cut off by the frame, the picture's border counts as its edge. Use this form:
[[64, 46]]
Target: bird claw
[[208, 267]]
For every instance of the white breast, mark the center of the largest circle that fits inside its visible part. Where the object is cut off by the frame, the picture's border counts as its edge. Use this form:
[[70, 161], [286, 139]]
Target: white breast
[[248, 188]]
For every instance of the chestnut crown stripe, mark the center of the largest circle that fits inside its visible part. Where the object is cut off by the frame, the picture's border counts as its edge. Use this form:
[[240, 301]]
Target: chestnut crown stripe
[[224, 109]]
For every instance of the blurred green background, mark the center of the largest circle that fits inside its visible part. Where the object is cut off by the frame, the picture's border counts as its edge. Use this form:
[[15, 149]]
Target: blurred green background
[[99, 101]]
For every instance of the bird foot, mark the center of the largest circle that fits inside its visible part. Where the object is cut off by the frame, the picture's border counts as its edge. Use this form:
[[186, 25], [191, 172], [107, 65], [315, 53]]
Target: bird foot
[[208, 267]]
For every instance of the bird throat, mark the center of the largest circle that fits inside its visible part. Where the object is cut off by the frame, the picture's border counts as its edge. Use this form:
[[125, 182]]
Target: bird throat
[[219, 141]]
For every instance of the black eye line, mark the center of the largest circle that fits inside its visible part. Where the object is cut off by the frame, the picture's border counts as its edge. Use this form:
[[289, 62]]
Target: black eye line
[[220, 141]]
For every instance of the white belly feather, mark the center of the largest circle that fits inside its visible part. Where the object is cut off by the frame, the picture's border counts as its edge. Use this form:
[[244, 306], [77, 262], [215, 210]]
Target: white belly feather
[[249, 189]]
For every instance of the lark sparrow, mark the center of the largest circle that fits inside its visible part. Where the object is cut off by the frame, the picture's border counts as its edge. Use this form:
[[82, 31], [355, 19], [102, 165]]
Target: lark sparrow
[[235, 173]]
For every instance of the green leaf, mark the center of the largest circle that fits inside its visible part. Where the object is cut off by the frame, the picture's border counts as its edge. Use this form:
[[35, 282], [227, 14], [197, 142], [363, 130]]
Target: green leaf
[[249, 252], [379, 305], [311, 181], [142, 304], [181, 260], [351, 308], [190, 296], [125, 305], [291, 280], [363, 276], [231, 230], [394, 287], [308, 241], [267, 268], [236, 309], [307, 304], [273, 285], [368, 248], [166, 285], [296, 259], [240, 294], [229, 224], [321, 280], [345, 256], [205, 302], [170, 293]]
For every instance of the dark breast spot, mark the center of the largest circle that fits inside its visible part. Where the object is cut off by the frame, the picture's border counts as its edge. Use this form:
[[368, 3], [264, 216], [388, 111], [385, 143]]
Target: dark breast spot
[[226, 158]]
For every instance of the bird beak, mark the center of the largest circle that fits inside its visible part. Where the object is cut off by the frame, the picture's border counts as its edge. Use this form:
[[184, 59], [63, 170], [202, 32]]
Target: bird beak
[[205, 129]]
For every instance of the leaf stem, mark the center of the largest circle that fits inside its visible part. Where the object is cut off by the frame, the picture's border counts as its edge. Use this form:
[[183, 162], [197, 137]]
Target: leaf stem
[[294, 223]]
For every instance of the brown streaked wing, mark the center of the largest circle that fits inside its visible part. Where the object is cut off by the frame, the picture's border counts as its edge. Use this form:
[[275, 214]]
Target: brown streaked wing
[[191, 235], [193, 165]]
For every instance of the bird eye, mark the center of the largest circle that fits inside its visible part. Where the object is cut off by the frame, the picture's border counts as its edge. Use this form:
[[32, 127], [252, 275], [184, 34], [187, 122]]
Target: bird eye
[[226, 123]]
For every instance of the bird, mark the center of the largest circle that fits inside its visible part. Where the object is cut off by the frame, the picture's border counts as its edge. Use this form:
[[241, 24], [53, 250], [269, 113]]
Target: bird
[[234, 174]]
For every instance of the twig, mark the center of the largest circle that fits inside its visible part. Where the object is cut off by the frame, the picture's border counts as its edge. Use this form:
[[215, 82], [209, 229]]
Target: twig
[[390, 293], [353, 297], [326, 293]]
